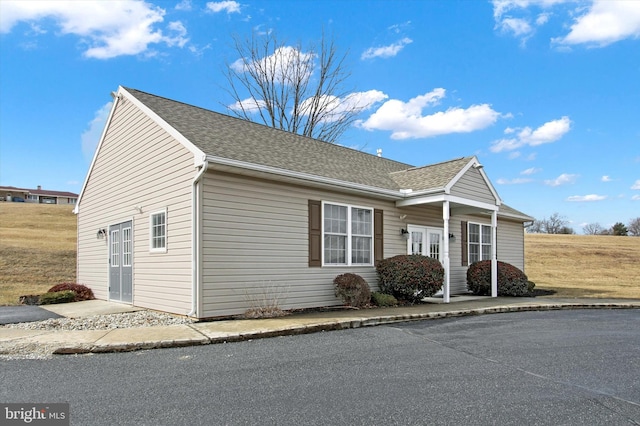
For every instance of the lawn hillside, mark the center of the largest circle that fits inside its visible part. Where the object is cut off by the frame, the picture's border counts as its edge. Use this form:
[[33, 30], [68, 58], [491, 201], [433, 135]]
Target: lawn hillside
[[584, 265], [37, 248]]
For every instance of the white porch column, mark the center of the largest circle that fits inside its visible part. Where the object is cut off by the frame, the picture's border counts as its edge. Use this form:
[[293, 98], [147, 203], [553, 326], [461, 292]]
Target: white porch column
[[494, 254], [446, 293]]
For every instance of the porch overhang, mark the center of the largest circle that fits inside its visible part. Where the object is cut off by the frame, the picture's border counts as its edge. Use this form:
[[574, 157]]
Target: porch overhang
[[455, 205]]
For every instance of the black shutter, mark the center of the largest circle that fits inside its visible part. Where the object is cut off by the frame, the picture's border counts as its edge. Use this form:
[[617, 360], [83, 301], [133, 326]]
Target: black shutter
[[315, 233], [465, 245], [378, 235]]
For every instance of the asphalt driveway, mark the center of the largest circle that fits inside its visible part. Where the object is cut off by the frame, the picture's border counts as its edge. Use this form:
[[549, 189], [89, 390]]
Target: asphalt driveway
[[24, 313]]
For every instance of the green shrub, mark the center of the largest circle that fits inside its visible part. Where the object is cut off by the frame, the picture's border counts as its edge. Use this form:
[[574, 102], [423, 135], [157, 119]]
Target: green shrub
[[381, 299], [410, 277], [57, 297], [82, 291], [352, 289], [511, 280]]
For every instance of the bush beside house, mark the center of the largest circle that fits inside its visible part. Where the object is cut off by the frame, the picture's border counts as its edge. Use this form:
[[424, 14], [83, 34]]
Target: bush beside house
[[511, 280], [410, 277]]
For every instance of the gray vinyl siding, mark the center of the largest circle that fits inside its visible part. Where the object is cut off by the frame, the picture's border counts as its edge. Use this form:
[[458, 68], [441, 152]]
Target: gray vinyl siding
[[510, 247], [511, 243], [472, 186], [255, 244], [139, 165]]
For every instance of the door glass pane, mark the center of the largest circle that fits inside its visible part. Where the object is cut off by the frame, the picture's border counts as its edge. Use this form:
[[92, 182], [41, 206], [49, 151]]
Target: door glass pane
[[115, 248], [416, 242], [126, 247], [434, 245]]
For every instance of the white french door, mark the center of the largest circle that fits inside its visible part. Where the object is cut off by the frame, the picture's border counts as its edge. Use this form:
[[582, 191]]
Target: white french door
[[427, 242]]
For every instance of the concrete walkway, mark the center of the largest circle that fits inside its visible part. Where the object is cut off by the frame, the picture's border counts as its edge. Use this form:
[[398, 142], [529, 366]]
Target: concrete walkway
[[202, 333]]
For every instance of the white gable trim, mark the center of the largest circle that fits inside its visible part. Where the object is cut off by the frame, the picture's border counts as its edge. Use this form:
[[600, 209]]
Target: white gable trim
[[198, 155], [438, 198], [473, 162], [76, 210]]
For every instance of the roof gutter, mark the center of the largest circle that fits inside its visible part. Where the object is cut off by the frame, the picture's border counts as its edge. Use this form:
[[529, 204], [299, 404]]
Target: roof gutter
[[195, 239]]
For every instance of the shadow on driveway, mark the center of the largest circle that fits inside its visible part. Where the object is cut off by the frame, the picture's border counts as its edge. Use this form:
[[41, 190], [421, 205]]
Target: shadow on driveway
[[24, 313]]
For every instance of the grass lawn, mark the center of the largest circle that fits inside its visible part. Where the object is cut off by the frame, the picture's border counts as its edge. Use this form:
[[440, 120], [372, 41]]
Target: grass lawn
[[584, 265], [37, 248]]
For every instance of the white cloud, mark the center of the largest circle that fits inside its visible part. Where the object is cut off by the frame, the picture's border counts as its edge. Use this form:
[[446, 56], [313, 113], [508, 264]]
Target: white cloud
[[636, 185], [518, 27], [405, 119], [530, 171], [547, 133], [606, 22], [107, 29], [185, 5], [601, 23], [224, 6], [91, 137], [249, 105], [606, 178], [333, 107], [590, 197], [515, 181], [542, 19], [636, 198], [282, 59], [386, 51], [563, 179]]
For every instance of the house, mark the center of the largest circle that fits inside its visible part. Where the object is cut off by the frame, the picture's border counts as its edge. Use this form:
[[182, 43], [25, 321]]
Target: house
[[39, 195], [188, 211]]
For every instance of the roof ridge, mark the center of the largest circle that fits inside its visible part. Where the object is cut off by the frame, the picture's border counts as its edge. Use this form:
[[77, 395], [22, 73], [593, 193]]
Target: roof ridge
[[269, 128], [432, 165]]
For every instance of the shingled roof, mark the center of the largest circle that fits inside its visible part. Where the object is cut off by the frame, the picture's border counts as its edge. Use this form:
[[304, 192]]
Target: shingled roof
[[232, 138], [222, 136]]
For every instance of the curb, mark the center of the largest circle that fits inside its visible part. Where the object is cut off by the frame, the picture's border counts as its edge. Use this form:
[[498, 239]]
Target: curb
[[331, 326]]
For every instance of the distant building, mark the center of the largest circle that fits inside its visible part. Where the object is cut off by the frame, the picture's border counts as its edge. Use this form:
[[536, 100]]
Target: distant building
[[39, 195]]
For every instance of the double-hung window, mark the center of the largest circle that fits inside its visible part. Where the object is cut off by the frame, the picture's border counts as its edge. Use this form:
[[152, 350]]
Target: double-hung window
[[158, 234], [347, 235], [479, 242]]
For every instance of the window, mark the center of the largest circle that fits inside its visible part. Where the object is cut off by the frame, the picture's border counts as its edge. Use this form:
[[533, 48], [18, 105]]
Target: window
[[126, 246], [347, 235], [159, 231], [479, 242]]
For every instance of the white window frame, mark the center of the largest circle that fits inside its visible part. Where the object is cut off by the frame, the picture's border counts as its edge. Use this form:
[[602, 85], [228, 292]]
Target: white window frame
[[349, 235], [162, 249], [481, 243]]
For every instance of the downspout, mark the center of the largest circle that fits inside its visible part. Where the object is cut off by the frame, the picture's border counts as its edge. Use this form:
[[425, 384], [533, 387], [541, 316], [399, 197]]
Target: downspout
[[195, 240]]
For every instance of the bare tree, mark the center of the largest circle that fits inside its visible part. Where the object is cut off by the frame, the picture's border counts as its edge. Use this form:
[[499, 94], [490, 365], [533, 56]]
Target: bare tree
[[634, 227], [291, 89], [592, 229], [556, 224]]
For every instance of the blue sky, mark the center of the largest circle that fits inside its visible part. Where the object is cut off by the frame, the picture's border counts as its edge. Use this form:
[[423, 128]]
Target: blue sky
[[545, 92]]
